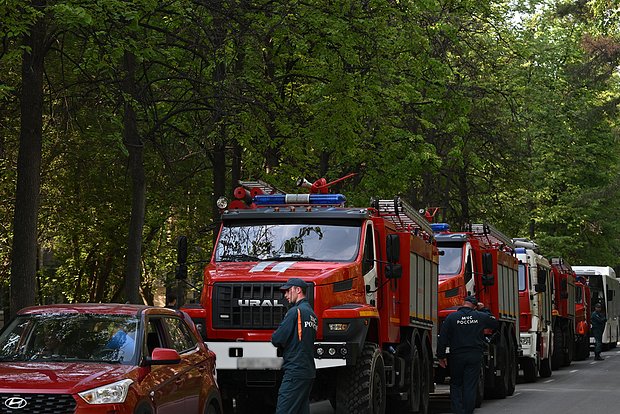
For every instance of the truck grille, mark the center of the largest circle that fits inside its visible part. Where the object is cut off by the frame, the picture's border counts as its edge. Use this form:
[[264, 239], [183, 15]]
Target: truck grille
[[37, 404], [249, 305]]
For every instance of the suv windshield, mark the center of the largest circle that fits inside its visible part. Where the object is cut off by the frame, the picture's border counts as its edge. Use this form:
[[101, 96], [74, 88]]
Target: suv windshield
[[69, 338], [252, 242]]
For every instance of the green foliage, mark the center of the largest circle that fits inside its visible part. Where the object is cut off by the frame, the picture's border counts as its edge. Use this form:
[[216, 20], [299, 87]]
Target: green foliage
[[494, 111]]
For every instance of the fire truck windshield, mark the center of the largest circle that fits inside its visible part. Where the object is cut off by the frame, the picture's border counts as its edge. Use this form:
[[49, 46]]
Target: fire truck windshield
[[450, 259], [251, 242]]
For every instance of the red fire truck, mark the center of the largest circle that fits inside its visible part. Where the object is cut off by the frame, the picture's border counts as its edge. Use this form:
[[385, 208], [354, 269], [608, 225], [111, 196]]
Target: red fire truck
[[535, 305], [481, 262], [583, 312], [372, 281], [563, 314]]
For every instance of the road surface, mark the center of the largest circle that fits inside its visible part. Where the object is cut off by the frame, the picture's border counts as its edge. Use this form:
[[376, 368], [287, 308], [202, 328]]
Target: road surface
[[584, 387]]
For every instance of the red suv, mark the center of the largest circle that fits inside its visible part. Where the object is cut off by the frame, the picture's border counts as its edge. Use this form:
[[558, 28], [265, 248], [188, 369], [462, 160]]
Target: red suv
[[105, 358]]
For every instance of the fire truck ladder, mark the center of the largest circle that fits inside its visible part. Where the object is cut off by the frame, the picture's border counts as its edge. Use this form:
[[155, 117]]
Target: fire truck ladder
[[260, 187], [493, 236], [403, 216]]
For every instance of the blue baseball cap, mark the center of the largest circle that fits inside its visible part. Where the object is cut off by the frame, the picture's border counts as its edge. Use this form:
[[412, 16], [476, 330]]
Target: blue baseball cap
[[294, 281]]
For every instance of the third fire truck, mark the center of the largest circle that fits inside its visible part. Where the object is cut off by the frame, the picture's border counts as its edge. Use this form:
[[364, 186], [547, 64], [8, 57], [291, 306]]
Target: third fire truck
[[563, 325], [535, 304], [480, 261]]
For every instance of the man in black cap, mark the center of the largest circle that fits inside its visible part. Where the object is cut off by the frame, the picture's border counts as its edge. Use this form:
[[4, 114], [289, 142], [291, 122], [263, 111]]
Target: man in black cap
[[295, 337], [598, 327], [463, 332]]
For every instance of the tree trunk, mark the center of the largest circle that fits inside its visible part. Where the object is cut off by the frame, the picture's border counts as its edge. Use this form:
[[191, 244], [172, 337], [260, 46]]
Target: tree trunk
[[24, 254], [135, 147]]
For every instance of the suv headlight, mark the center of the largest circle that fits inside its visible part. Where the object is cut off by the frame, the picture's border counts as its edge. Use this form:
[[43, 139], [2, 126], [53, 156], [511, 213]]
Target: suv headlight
[[114, 393]]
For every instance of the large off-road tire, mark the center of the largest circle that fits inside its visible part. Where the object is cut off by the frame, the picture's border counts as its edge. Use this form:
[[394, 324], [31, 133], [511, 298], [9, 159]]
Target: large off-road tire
[[506, 383], [545, 368], [569, 353], [426, 376], [480, 389], [361, 388], [528, 365], [512, 370]]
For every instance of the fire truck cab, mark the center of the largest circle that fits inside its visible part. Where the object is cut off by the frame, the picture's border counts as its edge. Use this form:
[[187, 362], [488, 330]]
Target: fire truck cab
[[480, 261], [535, 304], [563, 313]]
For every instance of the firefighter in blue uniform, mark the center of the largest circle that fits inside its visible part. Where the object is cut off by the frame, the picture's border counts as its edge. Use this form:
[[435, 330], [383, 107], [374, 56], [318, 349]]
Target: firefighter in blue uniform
[[295, 337], [598, 327], [463, 332]]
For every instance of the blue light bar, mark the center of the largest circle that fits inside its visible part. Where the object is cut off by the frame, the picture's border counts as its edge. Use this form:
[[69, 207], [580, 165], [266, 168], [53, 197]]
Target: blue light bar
[[520, 250], [439, 227], [316, 199]]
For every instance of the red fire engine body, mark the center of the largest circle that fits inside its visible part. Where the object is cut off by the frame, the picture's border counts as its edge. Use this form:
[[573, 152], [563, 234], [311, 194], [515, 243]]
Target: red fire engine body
[[372, 281], [583, 312], [563, 314], [481, 262], [536, 307]]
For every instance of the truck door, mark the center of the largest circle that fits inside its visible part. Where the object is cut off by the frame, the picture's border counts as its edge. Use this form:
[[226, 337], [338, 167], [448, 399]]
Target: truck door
[[369, 266], [468, 274]]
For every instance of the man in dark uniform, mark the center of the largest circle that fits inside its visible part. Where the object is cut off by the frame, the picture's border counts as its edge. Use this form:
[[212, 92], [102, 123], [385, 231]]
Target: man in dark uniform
[[295, 336], [598, 327], [463, 332]]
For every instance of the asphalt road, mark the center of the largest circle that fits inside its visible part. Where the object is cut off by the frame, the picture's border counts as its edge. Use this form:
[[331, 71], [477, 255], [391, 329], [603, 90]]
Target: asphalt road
[[583, 387]]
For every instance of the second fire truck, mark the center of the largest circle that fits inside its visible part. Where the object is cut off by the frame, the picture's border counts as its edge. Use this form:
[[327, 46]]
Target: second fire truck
[[480, 261]]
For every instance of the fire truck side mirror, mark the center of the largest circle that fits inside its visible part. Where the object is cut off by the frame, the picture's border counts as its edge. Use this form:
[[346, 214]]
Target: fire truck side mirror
[[392, 247], [487, 270], [393, 271], [541, 281], [392, 250]]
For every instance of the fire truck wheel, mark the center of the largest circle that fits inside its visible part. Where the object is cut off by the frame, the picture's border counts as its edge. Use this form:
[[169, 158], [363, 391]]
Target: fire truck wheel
[[545, 368], [569, 354], [425, 388], [361, 388], [528, 365], [511, 367], [557, 358]]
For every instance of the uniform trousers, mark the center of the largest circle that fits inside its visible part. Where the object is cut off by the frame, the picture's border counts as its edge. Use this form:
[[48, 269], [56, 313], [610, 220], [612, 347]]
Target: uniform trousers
[[294, 395], [464, 375]]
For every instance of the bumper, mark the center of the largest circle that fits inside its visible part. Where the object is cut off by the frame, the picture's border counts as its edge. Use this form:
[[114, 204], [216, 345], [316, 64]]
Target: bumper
[[262, 356]]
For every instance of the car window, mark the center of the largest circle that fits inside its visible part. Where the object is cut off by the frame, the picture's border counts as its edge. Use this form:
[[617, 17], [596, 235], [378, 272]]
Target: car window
[[154, 337], [70, 337], [181, 337]]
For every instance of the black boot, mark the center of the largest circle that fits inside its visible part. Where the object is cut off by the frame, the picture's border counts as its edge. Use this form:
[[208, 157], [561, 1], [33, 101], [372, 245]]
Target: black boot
[[598, 357]]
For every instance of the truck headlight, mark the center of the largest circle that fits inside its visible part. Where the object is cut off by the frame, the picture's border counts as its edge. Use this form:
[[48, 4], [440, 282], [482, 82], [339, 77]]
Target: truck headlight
[[114, 393], [526, 341]]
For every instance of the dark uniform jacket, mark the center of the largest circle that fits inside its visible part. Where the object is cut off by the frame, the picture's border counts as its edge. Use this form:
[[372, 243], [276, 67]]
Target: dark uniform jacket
[[295, 336], [598, 323], [463, 331]]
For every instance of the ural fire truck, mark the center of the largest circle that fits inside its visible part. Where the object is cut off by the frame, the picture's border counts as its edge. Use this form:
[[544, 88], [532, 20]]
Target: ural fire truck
[[604, 289], [481, 262], [563, 314], [372, 281], [535, 304], [583, 311]]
